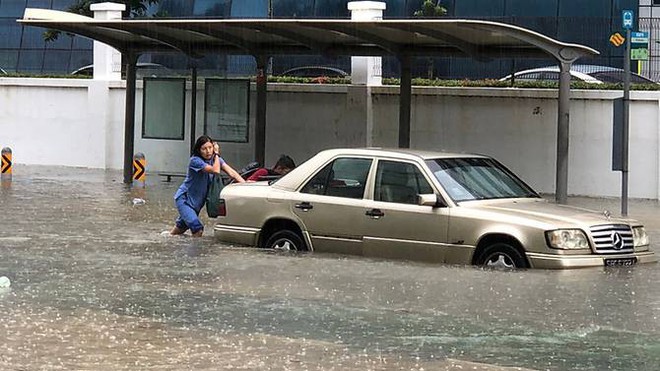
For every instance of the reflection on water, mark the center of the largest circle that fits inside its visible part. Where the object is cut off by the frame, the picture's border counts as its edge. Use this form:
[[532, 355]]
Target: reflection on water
[[96, 285]]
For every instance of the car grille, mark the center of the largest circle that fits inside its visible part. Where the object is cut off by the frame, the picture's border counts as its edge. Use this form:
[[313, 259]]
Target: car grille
[[612, 238]]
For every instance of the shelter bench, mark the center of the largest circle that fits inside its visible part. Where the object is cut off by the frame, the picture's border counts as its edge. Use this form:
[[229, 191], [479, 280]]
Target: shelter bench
[[169, 176]]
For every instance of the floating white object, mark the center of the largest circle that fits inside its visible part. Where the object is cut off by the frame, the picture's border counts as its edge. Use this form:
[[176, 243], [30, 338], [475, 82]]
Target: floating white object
[[4, 282]]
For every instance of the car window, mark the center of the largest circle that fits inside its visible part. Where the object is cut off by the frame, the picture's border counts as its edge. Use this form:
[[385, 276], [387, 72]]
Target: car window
[[609, 77], [467, 179], [399, 182], [550, 76], [312, 71], [344, 177], [541, 76], [530, 76]]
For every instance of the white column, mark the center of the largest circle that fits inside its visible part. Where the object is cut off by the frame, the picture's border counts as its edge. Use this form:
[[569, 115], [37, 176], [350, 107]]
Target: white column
[[107, 60], [366, 70]]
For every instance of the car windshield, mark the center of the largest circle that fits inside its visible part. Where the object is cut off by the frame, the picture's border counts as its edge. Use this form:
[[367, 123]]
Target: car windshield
[[467, 179]]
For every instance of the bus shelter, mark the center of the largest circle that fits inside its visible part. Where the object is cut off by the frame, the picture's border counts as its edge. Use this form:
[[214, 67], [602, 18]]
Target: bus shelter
[[263, 38]]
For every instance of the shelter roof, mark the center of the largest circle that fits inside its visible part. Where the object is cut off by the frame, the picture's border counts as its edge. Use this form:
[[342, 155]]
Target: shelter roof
[[330, 37]]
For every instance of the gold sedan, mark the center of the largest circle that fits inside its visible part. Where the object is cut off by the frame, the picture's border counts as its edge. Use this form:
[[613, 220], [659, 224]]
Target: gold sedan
[[426, 206]]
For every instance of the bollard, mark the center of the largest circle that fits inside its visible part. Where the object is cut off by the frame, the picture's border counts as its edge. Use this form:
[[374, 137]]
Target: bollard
[[6, 163], [139, 169]]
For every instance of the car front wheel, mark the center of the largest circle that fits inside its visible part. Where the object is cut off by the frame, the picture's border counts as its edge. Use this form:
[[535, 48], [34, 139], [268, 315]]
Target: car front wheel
[[502, 256], [285, 240]]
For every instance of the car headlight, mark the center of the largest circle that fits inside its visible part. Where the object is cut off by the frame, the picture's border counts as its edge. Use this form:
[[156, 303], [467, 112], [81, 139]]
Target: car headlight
[[567, 239], [640, 238]]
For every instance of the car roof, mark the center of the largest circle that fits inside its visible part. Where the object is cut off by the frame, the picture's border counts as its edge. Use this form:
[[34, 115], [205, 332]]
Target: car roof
[[140, 65], [584, 68], [300, 174], [576, 73], [589, 68], [581, 71], [395, 152], [335, 70]]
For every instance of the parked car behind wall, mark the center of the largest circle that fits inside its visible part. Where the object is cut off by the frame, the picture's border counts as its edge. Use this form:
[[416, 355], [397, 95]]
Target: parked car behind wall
[[143, 69], [579, 72]]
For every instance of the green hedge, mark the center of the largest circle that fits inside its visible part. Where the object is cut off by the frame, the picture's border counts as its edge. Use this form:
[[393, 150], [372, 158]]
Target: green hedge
[[486, 83], [46, 76]]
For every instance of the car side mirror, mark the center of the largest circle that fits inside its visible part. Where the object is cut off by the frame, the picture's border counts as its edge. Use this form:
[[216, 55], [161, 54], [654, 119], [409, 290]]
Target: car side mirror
[[431, 199]]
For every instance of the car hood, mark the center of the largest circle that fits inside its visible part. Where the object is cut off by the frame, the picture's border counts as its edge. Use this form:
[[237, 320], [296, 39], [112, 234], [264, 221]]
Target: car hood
[[541, 211]]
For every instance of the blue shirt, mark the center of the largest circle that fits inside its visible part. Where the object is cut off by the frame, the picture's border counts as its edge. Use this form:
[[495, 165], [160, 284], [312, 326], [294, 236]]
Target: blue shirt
[[196, 184]]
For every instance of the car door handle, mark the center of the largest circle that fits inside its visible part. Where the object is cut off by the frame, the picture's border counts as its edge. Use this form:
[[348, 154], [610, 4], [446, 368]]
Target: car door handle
[[304, 206], [374, 213]]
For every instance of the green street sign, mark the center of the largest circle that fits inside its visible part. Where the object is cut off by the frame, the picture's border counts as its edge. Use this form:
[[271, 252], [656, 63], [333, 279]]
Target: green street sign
[[639, 54], [639, 46]]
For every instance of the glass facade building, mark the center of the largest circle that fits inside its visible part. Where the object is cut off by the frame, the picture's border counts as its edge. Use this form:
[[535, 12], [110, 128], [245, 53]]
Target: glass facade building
[[23, 49], [589, 22]]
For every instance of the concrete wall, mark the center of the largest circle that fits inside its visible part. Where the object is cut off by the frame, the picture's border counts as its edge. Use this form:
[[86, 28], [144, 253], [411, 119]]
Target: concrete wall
[[80, 123], [63, 122]]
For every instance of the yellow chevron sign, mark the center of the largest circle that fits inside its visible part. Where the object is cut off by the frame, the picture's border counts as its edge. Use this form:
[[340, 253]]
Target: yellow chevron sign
[[139, 165], [6, 163], [616, 39]]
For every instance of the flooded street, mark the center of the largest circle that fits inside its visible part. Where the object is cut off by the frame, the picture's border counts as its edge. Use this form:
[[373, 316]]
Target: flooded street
[[95, 285]]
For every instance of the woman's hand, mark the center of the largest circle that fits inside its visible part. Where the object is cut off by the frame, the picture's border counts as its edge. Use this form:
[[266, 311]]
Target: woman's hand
[[232, 173], [215, 169]]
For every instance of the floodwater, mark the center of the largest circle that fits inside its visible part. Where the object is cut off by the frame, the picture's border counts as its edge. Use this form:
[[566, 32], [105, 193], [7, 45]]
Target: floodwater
[[97, 286]]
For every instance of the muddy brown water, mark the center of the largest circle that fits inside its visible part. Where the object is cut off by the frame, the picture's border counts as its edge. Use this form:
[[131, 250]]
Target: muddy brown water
[[97, 286]]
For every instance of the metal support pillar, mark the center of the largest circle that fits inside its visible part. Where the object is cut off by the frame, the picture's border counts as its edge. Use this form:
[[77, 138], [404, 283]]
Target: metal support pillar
[[626, 127], [405, 93], [563, 120], [129, 117], [260, 124]]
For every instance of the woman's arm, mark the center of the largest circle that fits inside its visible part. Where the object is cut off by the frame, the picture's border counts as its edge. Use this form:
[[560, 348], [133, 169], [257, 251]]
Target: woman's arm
[[232, 173], [215, 169]]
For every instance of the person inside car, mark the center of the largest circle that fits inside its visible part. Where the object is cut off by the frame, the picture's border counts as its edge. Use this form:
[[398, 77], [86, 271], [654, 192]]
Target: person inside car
[[283, 165]]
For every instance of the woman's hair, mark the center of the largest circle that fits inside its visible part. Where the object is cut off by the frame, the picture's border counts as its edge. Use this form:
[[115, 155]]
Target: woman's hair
[[202, 140]]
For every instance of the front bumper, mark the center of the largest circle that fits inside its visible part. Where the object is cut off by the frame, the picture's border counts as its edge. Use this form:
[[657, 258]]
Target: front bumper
[[549, 261]]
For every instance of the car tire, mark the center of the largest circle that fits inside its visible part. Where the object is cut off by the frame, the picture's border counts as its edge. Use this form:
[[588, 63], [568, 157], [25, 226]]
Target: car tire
[[502, 256], [286, 240]]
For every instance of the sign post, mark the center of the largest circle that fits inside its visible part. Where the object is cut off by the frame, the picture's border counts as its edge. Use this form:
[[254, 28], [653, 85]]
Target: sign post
[[627, 16]]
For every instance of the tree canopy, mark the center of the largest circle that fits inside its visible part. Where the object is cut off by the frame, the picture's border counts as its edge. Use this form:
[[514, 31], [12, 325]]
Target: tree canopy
[[134, 9], [431, 9]]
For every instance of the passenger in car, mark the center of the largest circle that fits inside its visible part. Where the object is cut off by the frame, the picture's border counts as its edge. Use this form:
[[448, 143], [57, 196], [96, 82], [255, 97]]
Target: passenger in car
[[191, 195], [283, 165]]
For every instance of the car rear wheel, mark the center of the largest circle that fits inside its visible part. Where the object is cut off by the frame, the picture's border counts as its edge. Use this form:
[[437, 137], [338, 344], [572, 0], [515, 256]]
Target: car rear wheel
[[502, 256], [285, 240]]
